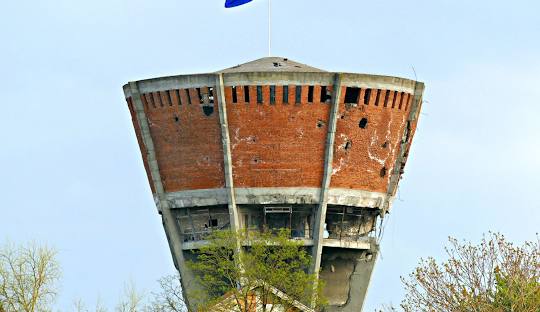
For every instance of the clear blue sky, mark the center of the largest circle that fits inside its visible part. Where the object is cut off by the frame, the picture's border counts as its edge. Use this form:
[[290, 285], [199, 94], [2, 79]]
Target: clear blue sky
[[71, 170]]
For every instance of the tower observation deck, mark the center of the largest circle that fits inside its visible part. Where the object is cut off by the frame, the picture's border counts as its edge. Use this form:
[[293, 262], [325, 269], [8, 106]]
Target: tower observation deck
[[277, 144]]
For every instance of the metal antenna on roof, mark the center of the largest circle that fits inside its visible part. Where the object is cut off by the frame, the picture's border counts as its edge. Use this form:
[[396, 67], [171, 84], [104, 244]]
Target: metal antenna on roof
[[269, 27]]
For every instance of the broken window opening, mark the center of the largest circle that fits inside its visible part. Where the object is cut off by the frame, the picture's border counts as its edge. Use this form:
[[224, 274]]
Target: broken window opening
[[349, 223], [211, 95], [208, 109], [310, 94], [363, 123], [234, 95], [298, 95], [325, 94], [386, 96], [272, 94], [246, 94], [352, 94], [367, 96], [377, 97], [259, 95], [285, 94]]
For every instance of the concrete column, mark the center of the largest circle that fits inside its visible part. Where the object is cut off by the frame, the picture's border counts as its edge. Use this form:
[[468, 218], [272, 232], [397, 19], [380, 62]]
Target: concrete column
[[227, 159], [329, 158], [169, 223]]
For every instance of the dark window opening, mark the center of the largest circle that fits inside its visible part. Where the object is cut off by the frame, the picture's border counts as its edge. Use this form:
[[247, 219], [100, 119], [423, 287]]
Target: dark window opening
[[158, 96], [367, 96], [177, 93], [201, 101], [352, 94], [383, 172], [325, 94], [234, 95], [394, 99], [363, 123], [169, 98], [298, 95], [246, 94], [408, 101], [310, 94], [151, 100], [401, 100], [377, 97], [386, 96], [188, 96], [285, 94], [259, 95], [213, 222], [272, 94]]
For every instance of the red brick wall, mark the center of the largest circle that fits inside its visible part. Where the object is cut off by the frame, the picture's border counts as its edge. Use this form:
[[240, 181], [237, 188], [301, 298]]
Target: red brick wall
[[274, 145], [277, 145], [360, 164]]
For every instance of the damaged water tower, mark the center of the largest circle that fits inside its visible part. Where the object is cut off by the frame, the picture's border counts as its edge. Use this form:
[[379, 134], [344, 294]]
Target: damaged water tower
[[277, 144]]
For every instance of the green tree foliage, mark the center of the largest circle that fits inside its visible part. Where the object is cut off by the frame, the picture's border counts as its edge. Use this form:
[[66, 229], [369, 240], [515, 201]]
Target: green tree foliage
[[28, 278], [269, 272], [494, 276]]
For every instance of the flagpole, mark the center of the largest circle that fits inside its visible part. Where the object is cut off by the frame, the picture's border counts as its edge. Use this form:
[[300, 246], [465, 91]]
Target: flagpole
[[269, 27]]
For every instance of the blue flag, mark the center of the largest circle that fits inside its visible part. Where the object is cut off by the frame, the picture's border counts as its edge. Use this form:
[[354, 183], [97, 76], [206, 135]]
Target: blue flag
[[234, 3]]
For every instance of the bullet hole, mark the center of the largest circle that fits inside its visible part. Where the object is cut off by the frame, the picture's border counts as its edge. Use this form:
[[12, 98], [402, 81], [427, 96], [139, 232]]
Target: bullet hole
[[363, 123], [342, 117], [320, 123], [383, 172], [255, 160], [208, 109], [251, 139], [347, 145], [385, 144], [176, 119]]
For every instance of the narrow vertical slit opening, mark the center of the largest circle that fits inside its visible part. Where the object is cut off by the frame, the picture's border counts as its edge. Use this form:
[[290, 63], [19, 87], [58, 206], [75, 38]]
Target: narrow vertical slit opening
[[298, 94], [234, 95], [310, 94], [386, 96], [272, 94], [367, 96], [246, 94], [377, 97], [285, 94], [259, 95]]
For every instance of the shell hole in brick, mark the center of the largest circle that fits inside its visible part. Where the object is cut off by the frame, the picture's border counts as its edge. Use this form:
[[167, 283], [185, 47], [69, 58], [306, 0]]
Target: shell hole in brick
[[363, 123], [383, 172], [208, 109], [347, 145], [385, 144], [320, 124], [352, 94], [176, 119]]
